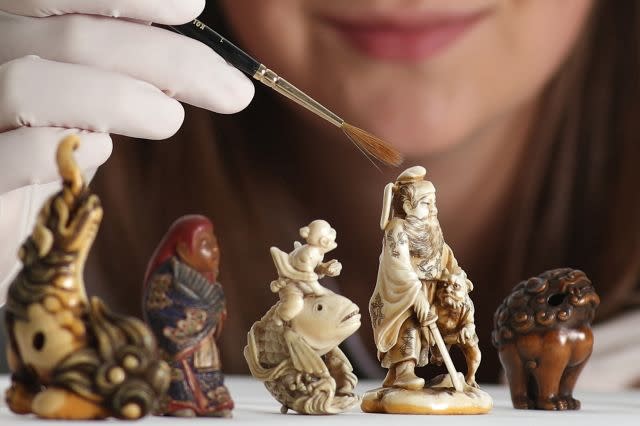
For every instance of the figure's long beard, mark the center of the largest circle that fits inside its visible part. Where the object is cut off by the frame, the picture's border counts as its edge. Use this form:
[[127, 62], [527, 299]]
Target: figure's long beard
[[425, 237]]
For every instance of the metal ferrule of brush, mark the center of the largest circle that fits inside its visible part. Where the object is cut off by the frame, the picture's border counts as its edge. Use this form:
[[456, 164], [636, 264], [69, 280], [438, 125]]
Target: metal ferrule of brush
[[282, 86]]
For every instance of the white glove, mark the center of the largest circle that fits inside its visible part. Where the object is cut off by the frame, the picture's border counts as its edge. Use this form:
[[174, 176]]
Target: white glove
[[97, 74]]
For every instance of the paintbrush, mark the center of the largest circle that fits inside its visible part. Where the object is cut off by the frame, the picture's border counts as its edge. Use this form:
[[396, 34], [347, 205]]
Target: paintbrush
[[370, 145]]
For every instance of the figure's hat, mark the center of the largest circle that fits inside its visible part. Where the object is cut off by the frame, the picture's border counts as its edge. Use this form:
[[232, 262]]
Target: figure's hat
[[412, 174]]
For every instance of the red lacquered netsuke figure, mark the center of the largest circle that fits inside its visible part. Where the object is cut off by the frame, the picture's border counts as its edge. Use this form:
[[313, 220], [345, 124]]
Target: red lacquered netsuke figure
[[185, 307]]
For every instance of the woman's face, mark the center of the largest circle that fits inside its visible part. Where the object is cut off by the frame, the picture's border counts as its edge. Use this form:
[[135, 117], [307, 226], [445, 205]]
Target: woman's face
[[424, 75]]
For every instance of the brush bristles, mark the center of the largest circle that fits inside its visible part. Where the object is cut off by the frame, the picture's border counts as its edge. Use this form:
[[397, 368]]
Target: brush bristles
[[372, 145]]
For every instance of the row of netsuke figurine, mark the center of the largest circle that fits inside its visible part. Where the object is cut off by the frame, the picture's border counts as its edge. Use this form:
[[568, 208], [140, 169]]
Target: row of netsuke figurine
[[73, 358]]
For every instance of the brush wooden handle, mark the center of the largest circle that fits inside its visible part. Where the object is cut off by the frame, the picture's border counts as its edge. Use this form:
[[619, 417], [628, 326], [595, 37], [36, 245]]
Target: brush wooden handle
[[231, 53]]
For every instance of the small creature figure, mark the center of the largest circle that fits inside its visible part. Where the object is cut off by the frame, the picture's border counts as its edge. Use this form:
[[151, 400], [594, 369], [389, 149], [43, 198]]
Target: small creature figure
[[185, 307], [72, 358], [543, 334], [293, 349], [455, 321]]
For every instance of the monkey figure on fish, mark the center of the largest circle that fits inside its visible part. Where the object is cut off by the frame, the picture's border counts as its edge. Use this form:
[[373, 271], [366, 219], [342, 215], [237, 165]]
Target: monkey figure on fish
[[71, 357], [293, 349], [300, 270]]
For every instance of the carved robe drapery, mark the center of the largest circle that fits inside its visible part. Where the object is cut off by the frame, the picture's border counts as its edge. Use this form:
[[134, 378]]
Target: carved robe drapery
[[402, 279]]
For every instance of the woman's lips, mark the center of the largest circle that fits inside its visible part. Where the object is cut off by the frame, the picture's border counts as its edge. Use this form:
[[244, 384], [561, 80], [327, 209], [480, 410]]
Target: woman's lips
[[407, 39]]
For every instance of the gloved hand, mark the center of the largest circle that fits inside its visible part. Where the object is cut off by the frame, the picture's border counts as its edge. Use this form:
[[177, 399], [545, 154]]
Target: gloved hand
[[93, 74]]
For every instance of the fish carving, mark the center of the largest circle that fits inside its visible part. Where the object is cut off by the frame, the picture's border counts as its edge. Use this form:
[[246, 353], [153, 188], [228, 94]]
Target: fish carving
[[298, 358]]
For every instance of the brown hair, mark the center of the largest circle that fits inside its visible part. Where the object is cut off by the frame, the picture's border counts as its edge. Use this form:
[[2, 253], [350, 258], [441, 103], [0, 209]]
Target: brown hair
[[576, 204]]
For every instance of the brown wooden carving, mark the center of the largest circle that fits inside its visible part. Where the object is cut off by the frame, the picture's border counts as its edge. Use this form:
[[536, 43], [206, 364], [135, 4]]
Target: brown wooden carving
[[543, 335]]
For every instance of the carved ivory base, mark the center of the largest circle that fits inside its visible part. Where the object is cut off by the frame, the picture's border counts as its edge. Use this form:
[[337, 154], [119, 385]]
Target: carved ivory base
[[438, 397]]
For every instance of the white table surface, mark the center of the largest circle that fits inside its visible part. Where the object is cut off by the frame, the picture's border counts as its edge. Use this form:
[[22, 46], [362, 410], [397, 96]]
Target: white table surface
[[254, 405]]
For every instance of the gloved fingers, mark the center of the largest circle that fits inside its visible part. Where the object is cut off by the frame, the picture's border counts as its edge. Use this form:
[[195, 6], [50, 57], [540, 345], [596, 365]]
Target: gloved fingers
[[27, 155], [170, 12], [39, 93], [181, 67]]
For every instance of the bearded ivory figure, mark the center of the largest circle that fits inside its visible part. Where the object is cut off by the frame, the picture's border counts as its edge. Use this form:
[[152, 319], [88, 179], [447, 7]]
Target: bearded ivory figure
[[420, 308]]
